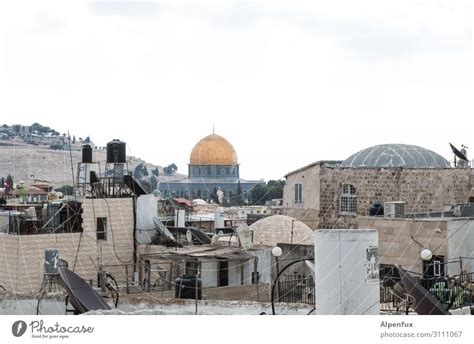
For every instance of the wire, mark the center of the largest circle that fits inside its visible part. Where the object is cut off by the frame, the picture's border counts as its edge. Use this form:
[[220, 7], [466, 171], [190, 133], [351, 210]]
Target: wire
[[277, 278]]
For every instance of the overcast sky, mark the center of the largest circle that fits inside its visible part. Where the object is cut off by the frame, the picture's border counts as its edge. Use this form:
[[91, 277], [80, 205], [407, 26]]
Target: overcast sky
[[286, 82]]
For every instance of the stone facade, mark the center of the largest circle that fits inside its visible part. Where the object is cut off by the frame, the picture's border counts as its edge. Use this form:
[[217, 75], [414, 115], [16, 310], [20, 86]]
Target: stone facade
[[23, 255], [421, 189], [397, 237], [401, 241]]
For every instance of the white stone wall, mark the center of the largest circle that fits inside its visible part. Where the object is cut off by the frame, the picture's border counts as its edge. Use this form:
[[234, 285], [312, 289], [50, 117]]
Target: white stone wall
[[461, 244], [209, 274]]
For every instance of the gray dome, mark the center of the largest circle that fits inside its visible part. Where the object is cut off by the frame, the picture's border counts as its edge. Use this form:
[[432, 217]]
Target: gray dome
[[396, 155]]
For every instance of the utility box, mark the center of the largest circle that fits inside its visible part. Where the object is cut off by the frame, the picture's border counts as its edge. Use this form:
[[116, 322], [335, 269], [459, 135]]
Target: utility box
[[347, 272]]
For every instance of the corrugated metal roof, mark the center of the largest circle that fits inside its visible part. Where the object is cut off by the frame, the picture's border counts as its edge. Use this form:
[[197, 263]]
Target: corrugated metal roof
[[206, 252]]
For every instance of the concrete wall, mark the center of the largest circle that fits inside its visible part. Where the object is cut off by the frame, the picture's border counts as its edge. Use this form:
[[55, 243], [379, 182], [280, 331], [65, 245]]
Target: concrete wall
[[264, 265], [421, 189], [461, 244], [396, 245], [22, 256], [209, 274]]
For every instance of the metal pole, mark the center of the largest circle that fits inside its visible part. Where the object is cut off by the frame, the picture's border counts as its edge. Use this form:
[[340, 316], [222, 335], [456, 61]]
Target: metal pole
[[196, 293], [126, 277], [278, 281]]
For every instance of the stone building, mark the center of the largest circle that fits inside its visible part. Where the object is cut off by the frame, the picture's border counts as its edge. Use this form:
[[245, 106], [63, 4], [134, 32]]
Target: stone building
[[333, 194], [21, 270], [213, 166], [450, 239], [280, 229]]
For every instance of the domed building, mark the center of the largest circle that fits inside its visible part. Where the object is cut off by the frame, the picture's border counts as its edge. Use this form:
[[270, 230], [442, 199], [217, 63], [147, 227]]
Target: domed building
[[280, 229], [398, 178], [396, 155], [213, 171]]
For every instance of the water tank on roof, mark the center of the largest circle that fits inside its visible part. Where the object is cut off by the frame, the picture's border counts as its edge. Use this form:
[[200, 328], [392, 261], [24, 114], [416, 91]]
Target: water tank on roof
[[86, 154], [188, 287], [116, 152]]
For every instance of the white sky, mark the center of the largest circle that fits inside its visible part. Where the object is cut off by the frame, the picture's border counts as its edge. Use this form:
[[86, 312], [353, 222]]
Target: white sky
[[286, 82]]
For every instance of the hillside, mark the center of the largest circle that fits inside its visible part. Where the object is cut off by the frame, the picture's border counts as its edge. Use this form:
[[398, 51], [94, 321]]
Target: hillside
[[28, 162]]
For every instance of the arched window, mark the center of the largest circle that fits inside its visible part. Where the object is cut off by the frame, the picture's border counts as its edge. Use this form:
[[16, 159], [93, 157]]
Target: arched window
[[348, 199]]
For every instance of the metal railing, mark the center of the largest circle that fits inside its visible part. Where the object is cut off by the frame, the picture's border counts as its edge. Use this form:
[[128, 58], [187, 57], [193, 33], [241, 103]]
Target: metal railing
[[296, 288], [452, 292]]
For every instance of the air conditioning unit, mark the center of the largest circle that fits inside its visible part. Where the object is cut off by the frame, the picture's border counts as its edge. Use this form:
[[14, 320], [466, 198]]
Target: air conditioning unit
[[394, 209]]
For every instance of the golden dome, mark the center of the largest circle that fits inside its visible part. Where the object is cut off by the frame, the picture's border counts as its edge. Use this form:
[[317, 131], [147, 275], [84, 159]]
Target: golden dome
[[213, 150]]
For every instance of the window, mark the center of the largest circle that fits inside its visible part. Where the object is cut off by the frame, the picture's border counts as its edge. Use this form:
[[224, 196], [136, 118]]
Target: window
[[348, 199], [437, 268], [192, 267], [298, 193], [255, 277], [101, 228]]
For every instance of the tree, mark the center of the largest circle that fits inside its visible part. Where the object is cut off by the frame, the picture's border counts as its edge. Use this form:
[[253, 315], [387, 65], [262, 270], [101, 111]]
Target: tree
[[272, 190], [154, 183], [40, 129], [239, 198], [65, 190], [9, 183], [155, 171], [275, 189], [170, 169], [87, 140], [140, 171], [214, 197], [257, 194]]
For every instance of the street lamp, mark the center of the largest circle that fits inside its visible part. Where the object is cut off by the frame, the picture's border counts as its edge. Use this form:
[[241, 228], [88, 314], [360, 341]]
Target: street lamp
[[426, 254], [277, 252]]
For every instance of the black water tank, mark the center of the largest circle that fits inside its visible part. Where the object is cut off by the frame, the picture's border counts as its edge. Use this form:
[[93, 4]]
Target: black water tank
[[87, 154], [116, 152], [186, 287]]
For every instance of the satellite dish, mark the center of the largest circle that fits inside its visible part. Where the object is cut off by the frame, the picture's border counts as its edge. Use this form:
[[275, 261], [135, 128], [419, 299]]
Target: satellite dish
[[189, 236], [458, 153]]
